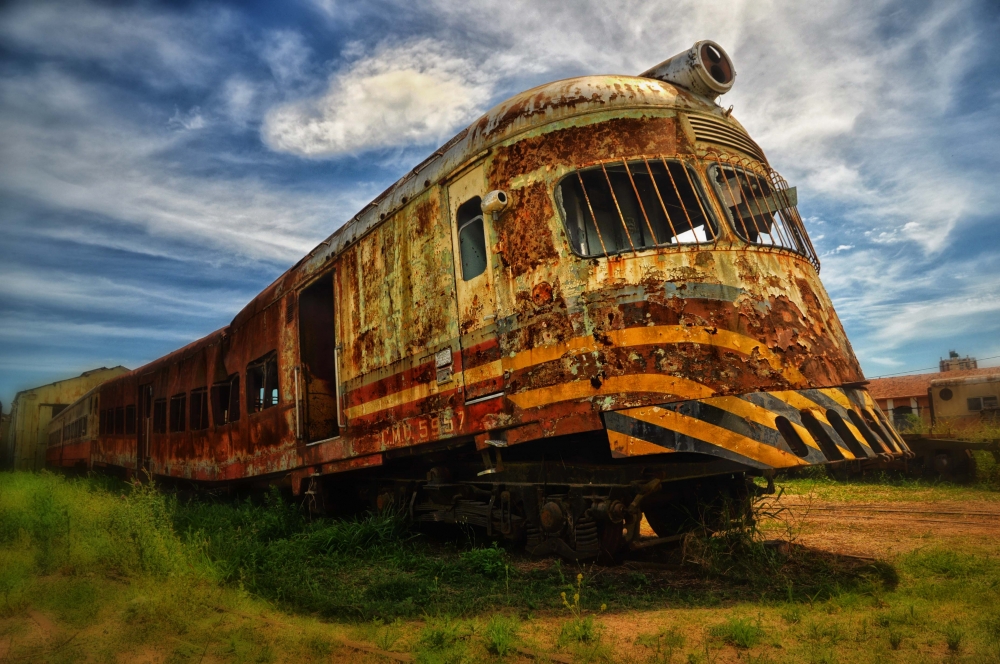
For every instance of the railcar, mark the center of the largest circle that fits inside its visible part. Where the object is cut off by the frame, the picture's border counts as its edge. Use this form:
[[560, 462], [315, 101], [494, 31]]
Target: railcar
[[596, 302]]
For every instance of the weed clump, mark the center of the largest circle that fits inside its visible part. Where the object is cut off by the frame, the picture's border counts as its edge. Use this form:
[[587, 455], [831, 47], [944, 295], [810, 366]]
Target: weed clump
[[501, 633], [739, 632]]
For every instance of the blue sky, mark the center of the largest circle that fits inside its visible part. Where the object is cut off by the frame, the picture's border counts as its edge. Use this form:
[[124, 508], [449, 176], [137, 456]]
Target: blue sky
[[160, 164]]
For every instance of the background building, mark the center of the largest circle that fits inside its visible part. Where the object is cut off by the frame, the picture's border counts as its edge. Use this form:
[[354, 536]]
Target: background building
[[26, 432], [900, 396], [956, 363]]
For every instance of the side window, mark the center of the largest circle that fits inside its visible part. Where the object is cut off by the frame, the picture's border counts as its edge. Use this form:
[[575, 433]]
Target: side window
[[262, 383], [975, 404], [226, 401], [130, 420], [103, 425], [177, 407], [160, 416], [199, 409], [119, 420], [471, 238]]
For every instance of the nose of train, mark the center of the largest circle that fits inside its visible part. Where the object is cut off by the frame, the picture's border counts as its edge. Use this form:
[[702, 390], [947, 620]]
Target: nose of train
[[762, 430]]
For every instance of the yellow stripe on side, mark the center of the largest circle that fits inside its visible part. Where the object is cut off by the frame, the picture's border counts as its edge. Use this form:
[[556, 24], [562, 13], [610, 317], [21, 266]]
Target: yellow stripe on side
[[675, 334], [716, 435], [582, 389], [629, 446], [657, 335], [483, 372]]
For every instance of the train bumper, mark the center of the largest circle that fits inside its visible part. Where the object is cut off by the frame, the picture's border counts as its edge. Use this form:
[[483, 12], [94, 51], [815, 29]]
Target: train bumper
[[762, 430]]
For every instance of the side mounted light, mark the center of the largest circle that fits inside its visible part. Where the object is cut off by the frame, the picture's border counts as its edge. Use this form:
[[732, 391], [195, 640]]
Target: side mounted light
[[704, 69], [495, 202]]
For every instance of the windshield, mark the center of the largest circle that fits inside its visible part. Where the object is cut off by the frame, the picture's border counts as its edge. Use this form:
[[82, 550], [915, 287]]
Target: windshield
[[614, 208], [761, 207]]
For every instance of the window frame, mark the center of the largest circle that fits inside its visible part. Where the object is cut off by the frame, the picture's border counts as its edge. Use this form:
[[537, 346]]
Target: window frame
[[177, 422], [263, 361], [696, 183], [161, 419], [789, 222]]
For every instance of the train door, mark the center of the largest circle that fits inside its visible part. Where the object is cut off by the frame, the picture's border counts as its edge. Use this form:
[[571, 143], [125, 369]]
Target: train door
[[144, 414], [318, 403], [472, 237]]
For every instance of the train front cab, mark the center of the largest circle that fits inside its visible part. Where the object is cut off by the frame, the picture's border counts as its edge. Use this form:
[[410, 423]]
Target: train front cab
[[742, 322], [698, 331]]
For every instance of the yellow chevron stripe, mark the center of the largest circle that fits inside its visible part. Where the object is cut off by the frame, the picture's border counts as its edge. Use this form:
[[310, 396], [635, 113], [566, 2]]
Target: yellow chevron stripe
[[630, 446], [730, 440], [801, 402], [745, 409], [838, 396]]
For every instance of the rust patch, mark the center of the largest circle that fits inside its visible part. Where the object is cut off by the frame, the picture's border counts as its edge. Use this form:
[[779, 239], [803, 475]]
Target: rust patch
[[524, 231], [613, 139], [541, 293]]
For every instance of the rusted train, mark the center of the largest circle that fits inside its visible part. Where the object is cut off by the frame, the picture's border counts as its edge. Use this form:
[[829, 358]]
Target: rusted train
[[595, 303]]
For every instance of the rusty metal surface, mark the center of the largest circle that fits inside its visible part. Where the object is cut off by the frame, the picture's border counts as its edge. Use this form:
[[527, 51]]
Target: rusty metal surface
[[569, 338]]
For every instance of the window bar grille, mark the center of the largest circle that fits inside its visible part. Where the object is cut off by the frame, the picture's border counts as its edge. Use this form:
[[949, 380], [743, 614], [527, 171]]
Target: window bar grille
[[638, 198], [663, 205], [732, 196], [697, 196], [781, 185], [621, 216], [597, 228], [757, 210], [680, 200]]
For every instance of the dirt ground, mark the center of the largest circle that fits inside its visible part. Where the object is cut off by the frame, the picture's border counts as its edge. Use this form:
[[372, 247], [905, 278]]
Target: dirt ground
[[883, 530]]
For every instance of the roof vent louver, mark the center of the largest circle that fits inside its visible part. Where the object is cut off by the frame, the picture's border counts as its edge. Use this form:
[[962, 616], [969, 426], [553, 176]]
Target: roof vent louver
[[710, 130]]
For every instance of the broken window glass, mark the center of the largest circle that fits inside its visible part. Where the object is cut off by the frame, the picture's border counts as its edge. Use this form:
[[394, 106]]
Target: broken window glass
[[129, 420], [471, 238], [177, 412], [160, 416], [613, 208], [262, 383], [199, 409], [119, 420], [226, 401]]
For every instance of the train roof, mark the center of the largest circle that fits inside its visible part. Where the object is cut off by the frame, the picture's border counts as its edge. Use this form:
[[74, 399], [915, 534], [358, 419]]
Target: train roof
[[560, 100], [528, 110]]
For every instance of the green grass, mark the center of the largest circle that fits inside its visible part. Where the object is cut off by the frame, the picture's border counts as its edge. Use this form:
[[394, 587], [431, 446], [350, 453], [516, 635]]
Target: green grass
[[895, 487], [122, 570]]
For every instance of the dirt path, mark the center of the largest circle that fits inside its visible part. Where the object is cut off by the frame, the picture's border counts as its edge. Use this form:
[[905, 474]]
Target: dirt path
[[885, 529]]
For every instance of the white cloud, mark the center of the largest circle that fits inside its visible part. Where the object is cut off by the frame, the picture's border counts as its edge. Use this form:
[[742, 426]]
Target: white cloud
[[401, 95]]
